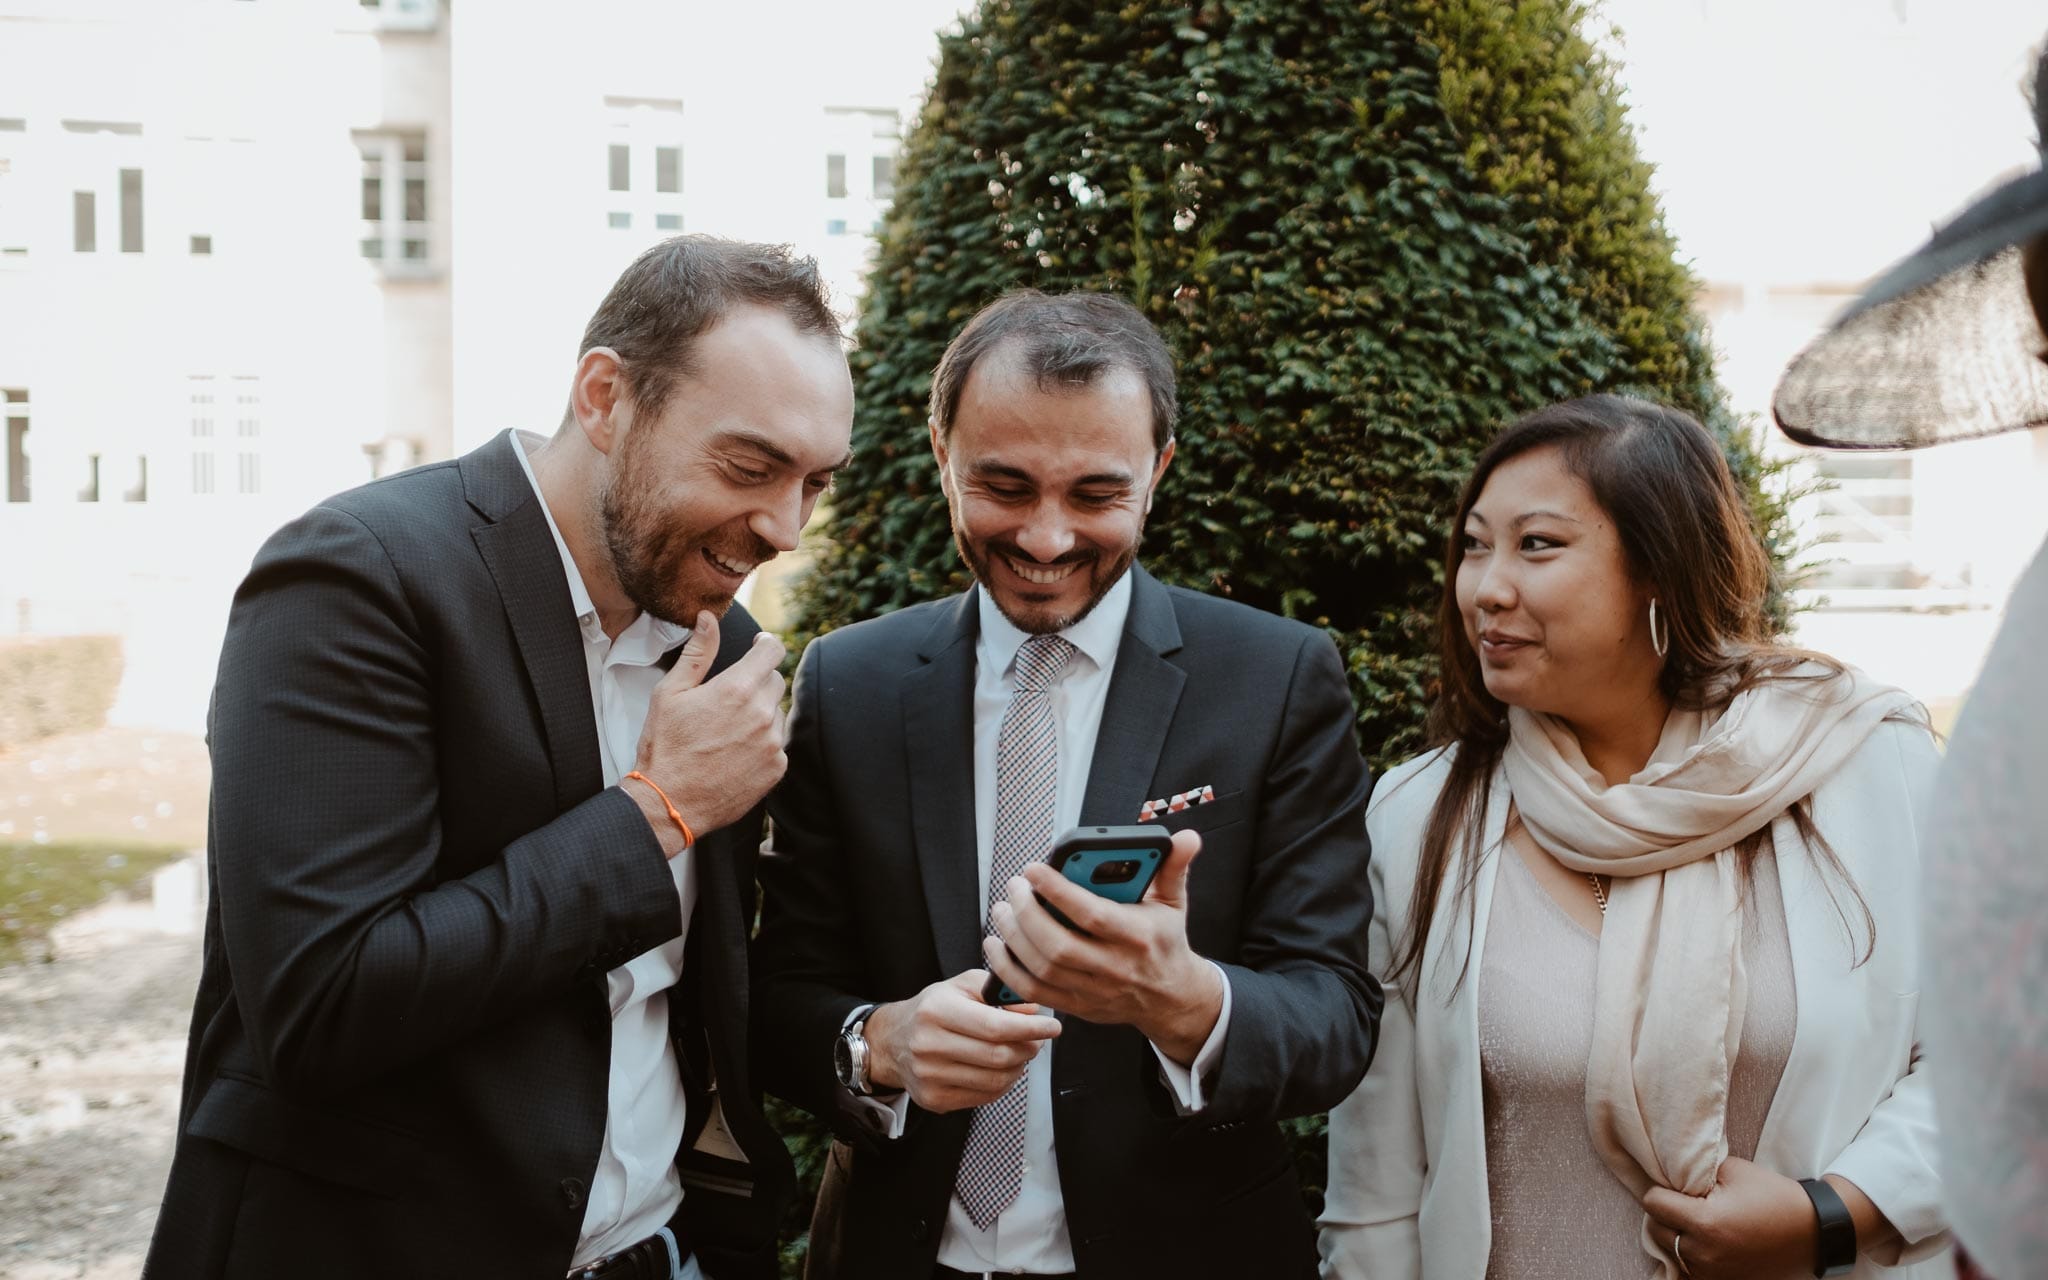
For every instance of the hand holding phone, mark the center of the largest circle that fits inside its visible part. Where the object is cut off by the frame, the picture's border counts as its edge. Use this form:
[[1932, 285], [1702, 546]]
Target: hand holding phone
[[1135, 966], [1116, 863]]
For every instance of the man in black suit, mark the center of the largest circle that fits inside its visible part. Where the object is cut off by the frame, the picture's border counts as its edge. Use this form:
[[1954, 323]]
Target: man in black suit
[[487, 780], [933, 754]]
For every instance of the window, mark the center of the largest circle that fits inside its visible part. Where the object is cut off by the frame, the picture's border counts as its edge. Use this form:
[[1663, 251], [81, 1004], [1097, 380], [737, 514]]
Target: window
[[393, 199], [15, 400], [200, 401], [131, 211], [84, 222], [202, 246], [1863, 524], [644, 166], [225, 421], [13, 219], [860, 167], [139, 491], [248, 435], [91, 490], [101, 163], [415, 15]]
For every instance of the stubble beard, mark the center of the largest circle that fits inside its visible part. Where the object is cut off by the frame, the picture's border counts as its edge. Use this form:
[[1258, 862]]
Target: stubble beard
[[1100, 581], [642, 545]]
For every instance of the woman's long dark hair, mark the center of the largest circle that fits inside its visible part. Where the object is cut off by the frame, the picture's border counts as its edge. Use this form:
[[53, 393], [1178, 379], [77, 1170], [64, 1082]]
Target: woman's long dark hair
[[1688, 537]]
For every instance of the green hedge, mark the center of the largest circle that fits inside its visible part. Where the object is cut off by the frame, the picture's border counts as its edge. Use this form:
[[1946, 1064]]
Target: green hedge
[[56, 684], [1372, 233]]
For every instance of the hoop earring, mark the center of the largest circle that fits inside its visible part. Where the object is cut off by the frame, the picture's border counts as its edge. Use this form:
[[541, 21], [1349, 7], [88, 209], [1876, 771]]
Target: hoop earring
[[1660, 640]]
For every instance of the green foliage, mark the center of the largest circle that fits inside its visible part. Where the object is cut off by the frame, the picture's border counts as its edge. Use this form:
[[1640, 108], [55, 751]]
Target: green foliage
[[42, 884], [1372, 233], [809, 1145]]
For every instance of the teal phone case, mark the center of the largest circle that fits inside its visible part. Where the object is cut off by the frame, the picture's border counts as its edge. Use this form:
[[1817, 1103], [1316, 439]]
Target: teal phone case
[[1082, 867]]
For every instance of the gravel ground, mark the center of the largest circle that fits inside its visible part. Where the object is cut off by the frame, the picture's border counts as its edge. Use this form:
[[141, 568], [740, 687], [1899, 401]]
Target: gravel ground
[[92, 1042]]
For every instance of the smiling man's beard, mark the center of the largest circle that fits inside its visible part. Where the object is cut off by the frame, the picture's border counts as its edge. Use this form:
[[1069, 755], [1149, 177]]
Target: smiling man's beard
[[1100, 579], [651, 555]]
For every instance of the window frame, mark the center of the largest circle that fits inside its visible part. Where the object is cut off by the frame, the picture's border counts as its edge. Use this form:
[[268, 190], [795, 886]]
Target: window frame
[[383, 157]]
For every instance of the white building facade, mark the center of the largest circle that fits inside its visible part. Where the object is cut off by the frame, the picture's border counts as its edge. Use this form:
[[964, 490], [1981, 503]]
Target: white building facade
[[253, 252]]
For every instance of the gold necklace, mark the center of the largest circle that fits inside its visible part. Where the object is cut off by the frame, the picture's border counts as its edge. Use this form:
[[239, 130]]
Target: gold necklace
[[1599, 894]]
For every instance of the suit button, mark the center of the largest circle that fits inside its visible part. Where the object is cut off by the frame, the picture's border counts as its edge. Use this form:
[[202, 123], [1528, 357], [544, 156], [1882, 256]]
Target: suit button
[[572, 1192], [920, 1230]]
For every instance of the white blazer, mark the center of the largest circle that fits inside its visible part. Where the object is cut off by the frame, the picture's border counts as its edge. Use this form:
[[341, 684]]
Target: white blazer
[[1408, 1194]]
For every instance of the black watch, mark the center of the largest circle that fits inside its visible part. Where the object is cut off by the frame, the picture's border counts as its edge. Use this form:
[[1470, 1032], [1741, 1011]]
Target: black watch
[[1835, 1252], [850, 1054]]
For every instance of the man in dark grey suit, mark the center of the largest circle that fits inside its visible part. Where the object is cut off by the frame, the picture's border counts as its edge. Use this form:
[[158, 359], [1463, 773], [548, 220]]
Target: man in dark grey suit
[[933, 754], [487, 778]]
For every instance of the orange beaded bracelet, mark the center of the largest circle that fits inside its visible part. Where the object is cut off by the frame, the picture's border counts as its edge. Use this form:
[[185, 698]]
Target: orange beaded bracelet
[[689, 836]]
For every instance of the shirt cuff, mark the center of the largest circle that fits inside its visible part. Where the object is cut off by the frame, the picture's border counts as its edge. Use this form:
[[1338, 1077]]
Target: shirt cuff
[[885, 1115], [1185, 1083]]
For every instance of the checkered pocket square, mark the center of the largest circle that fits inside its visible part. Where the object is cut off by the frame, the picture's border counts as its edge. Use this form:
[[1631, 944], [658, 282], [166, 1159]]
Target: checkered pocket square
[[1179, 801]]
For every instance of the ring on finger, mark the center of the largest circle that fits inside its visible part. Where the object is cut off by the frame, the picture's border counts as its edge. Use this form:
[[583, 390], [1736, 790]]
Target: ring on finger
[[1678, 1256]]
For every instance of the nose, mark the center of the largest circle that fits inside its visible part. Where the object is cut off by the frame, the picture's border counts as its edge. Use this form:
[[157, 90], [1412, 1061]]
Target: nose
[[1047, 534], [779, 520], [1496, 587]]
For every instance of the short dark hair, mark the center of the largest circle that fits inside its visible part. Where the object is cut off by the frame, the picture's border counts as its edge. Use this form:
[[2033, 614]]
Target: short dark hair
[[683, 286], [1066, 340]]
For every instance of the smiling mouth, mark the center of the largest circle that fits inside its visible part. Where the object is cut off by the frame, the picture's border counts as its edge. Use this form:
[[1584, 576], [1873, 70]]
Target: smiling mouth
[[1041, 575], [728, 567]]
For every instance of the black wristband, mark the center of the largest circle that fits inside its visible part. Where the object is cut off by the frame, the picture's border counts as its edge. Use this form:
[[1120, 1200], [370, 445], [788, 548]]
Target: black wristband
[[1834, 1254]]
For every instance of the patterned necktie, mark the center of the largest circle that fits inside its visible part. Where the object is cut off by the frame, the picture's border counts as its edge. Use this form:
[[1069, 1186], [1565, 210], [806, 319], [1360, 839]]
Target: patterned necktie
[[1027, 782]]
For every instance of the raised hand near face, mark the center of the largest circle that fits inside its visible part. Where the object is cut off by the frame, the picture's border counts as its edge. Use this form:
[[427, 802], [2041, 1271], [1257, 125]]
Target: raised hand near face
[[713, 746]]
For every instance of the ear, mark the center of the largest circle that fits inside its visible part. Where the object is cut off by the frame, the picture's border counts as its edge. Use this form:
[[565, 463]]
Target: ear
[[597, 398], [1158, 472], [939, 452]]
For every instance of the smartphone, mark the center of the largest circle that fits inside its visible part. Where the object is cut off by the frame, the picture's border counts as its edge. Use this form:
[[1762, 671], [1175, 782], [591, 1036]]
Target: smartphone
[[1117, 863]]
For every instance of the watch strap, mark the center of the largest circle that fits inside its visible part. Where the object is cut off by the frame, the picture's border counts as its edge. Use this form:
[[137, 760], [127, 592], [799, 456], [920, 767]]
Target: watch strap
[[1835, 1249]]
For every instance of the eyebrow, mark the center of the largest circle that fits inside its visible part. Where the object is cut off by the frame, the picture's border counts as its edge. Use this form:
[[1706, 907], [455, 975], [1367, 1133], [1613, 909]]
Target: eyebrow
[[768, 448], [991, 470], [1541, 513]]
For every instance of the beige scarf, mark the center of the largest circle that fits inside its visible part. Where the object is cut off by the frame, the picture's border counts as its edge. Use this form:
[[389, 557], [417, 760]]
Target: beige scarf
[[1670, 992]]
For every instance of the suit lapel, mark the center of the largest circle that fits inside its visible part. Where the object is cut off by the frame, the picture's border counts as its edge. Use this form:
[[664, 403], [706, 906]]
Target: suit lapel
[[520, 552], [1143, 694], [938, 735]]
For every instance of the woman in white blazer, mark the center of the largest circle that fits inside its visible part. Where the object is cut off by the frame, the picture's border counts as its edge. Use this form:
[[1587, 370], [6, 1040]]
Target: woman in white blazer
[[1648, 909]]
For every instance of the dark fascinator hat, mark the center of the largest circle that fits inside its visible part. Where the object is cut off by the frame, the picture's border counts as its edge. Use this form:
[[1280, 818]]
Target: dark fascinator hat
[[1945, 346]]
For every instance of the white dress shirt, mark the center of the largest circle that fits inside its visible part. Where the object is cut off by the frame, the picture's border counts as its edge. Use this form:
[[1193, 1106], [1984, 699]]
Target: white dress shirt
[[635, 1190], [1031, 1235]]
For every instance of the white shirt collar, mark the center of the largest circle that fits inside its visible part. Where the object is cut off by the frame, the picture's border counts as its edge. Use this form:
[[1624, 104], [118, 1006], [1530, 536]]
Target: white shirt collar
[[665, 635], [1097, 635]]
